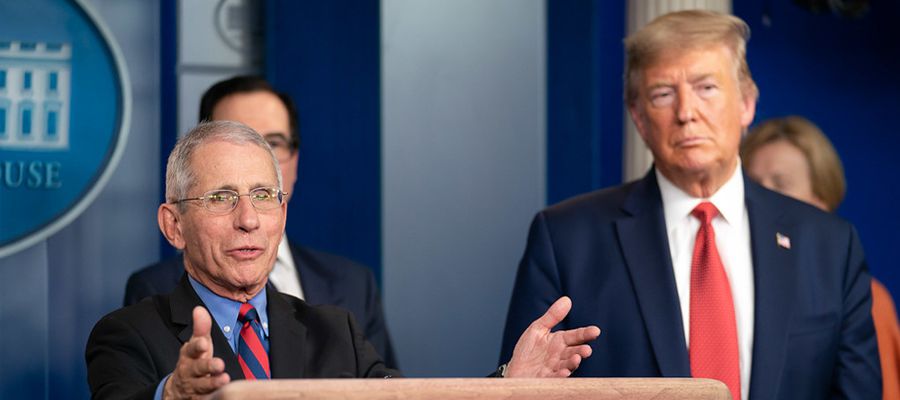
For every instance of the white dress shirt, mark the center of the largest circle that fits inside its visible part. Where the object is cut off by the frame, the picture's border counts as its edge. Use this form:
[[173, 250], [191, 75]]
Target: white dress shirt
[[732, 227], [284, 275]]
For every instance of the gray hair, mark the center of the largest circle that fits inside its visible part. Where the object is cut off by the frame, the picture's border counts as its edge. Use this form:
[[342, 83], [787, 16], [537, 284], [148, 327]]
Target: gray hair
[[180, 175]]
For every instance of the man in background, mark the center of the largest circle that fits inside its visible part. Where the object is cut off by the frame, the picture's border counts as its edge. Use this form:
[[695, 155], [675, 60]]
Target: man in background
[[314, 276], [694, 270]]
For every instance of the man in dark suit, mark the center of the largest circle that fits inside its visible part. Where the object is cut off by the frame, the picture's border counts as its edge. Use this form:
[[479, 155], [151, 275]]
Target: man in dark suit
[[314, 276], [695, 270], [222, 322]]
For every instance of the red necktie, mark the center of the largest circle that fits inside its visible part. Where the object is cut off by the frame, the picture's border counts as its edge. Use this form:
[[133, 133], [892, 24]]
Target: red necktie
[[252, 354], [714, 345]]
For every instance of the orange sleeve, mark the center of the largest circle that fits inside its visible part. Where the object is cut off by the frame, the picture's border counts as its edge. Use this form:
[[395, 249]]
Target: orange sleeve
[[887, 330]]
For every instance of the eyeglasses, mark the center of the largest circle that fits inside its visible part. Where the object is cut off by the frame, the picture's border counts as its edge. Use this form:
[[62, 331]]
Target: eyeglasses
[[282, 146], [222, 201]]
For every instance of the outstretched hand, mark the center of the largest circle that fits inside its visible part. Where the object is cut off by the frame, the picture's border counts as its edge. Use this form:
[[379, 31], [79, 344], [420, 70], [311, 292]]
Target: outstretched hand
[[540, 353], [197, 372]]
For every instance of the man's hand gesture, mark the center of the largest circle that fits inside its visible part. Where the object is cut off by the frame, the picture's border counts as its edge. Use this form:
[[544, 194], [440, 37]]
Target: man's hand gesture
[[540, 353], [197, 373]]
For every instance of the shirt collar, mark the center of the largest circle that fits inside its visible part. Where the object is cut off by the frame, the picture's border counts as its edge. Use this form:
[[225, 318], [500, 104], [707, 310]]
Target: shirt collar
[[729, 199], [284, 250], [225, 311]]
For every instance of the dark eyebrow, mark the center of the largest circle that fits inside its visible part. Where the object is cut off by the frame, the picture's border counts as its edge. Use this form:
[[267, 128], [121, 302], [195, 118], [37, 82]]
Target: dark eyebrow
[[227, 187], [277, 134]]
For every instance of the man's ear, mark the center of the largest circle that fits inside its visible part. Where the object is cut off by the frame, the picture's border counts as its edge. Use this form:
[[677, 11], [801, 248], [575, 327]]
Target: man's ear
[[283, 215], [170, 224], [748, 110], [638, 118]]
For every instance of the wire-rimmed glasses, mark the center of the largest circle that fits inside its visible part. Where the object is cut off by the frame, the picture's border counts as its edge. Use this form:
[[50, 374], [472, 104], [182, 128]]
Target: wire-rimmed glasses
[[222, 201]]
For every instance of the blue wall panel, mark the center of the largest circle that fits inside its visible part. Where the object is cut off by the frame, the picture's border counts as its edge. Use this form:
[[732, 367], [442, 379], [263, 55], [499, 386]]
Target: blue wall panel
[[168, 109], [584, 101], [326, 54], [841, 74]]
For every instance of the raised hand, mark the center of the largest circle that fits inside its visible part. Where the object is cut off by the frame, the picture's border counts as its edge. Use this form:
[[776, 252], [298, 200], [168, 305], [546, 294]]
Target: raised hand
[[197, 372], [540, 353]]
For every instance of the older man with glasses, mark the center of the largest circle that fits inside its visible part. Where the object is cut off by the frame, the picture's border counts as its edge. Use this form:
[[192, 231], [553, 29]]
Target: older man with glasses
[[311, 275]]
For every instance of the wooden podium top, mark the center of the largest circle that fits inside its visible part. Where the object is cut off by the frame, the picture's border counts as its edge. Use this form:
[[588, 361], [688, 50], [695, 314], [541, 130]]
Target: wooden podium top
[[477, 388]]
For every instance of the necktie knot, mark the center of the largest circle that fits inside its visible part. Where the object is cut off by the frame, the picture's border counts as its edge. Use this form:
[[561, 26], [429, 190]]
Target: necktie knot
[[247, 314], [705, 212]]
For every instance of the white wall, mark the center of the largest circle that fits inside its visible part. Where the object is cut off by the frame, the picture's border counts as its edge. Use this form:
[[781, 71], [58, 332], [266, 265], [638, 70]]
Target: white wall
[[463, 149], [213, 47]]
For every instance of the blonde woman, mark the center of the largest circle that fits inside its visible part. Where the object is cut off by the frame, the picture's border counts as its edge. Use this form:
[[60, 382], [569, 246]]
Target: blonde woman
[[792, 156]]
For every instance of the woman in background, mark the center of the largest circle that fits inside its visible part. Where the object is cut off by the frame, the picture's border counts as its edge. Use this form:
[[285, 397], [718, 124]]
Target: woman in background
[[792, 156]]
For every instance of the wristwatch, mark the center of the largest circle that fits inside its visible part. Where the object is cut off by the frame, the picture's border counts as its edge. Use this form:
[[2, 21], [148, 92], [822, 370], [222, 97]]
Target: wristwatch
[[501, 371]]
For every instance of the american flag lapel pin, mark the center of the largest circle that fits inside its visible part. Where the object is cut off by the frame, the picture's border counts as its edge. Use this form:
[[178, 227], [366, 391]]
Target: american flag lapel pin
[[782, 240]]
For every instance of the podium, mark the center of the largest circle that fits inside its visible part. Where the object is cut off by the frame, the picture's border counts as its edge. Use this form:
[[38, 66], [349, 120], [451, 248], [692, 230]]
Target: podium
[[477, 388]]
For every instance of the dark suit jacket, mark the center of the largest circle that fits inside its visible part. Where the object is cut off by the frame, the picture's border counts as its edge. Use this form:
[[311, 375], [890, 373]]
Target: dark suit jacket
[[132, 349], [325, 278], [608, 250]]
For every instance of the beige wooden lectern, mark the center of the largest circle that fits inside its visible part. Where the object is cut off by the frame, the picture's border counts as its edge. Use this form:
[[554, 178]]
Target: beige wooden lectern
[[477, 388]]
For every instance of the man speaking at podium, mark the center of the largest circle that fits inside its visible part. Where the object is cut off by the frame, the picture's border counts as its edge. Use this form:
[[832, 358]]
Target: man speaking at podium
[[300, 271], [694, 270], [225, 209]]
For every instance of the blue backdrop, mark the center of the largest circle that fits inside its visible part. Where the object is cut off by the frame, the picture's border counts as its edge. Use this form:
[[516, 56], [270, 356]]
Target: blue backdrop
[[841, 74], [326, 55], [584, 103]]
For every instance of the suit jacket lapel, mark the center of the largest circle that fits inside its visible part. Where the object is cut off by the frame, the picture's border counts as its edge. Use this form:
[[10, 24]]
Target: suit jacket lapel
[[287, 338], [182, 303], [645, 247], [774, 279], [314, 278]]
